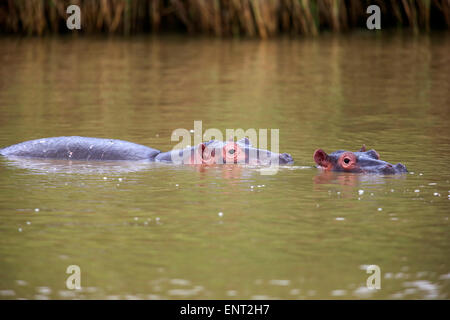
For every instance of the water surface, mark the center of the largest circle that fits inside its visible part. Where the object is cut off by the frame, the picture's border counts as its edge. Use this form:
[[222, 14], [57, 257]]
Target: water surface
[[140, 230]]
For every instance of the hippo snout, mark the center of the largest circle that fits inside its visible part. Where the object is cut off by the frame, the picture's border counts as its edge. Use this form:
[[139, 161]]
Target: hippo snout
[[390, 169], [401, 168], [286, 158]]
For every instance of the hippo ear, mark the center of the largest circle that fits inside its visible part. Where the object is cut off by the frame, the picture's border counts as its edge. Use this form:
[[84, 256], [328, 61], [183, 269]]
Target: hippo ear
[[363, 148], [321, 158], [207, 155]]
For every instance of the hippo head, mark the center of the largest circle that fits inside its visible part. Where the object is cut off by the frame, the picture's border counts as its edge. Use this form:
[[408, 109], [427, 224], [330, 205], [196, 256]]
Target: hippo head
[[362, 161], [242, 151], [229, 152]]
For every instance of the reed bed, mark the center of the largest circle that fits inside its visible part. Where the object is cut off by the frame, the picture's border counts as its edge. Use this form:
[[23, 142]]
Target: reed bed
[[253, 18]]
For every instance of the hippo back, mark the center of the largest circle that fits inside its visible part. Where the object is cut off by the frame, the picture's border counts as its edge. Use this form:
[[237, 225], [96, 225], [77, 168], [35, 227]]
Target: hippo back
[[80, 148]]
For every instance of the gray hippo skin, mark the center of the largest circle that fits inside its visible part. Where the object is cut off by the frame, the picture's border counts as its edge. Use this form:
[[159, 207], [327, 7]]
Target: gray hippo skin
[[80, 148], [84, 148]]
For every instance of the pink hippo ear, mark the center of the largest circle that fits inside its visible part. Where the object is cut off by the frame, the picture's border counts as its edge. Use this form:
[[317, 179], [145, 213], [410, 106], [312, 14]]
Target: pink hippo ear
[[195, 155], [321, 158], [363, 148], [208, 155]]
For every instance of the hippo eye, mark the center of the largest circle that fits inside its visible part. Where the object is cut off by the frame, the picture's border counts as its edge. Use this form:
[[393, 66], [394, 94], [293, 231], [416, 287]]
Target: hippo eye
[[231, 151], [347, 161]]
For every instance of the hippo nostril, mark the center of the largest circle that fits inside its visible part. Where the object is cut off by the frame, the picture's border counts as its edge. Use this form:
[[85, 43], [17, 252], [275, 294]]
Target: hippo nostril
[[346, 160]]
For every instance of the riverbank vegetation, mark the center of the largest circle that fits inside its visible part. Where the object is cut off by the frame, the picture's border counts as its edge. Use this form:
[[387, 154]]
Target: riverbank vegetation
[[223, 18]]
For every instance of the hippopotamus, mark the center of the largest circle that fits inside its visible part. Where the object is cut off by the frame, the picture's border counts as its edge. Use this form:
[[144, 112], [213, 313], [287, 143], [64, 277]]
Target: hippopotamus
[[219, 152], [86, 148], [362, 161]]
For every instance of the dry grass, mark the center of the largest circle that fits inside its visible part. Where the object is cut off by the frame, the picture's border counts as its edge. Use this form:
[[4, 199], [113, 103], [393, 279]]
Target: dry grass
[[254, 18]]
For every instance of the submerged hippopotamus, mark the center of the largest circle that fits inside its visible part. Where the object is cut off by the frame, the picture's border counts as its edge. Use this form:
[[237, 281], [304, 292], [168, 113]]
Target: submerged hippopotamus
[[362, 161], [211, 152], [84, 148]]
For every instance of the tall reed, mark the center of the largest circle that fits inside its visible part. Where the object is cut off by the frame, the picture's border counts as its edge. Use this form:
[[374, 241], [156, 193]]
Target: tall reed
[[254, 18]]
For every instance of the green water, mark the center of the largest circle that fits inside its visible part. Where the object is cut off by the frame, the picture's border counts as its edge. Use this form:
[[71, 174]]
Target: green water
[[155, 231]]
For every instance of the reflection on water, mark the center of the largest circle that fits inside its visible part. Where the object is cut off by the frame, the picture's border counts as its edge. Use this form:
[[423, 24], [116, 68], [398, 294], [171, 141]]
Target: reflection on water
[[162, 231], [353, 179], [46, 166]]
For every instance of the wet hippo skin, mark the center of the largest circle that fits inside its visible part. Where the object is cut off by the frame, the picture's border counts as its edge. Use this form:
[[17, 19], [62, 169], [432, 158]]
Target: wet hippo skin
[[80, 148], [85, 148]]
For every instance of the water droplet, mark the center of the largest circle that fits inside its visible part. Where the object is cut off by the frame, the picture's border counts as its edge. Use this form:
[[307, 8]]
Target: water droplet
[[231, 293], [295, 291], [277, 282], [338, 293], [21, 282]]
